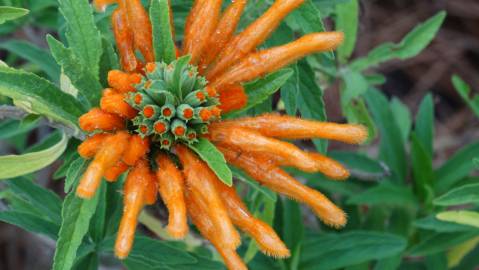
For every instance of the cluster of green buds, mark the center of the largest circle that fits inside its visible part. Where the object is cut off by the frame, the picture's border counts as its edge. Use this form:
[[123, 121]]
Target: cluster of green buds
[[174, 103]]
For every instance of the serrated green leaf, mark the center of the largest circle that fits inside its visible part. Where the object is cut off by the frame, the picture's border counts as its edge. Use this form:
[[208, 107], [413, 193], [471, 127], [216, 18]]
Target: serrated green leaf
[[465, 92], [163, 42], [460, 195], [89, 88], [335, 251], [215, 160], [347, 21], [76, 216], [260, 90], [11, 13], [74, 172], [456, 167], [414, 42], [39, 96], [82, 34], [35, 55], [152, 252], [30, 223], [463, 217], [16, 165]]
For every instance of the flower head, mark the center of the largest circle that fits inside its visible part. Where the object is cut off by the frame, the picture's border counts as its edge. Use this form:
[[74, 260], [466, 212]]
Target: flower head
[[156, 110]]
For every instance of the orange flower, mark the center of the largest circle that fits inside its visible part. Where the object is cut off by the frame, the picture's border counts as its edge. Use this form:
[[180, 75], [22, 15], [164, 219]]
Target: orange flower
[[155, 110]]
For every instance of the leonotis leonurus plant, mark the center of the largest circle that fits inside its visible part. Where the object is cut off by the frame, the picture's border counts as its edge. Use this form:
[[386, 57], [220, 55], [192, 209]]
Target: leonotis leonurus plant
[[155, 111]]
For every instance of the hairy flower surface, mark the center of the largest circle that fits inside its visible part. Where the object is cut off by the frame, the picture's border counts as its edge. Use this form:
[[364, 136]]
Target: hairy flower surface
[[154, 111]]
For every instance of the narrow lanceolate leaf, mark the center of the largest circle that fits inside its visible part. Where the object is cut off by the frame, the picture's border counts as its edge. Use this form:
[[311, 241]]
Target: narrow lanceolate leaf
[[11, 13], [82, 34], [30, 223], [81, 77], [439, 242], [465, 92], [335, 251], [76, 216], [35, 55], [39, 96], [347, 22], [215, 160], [163, 39], [464, 217], [414, 42], [16, 165], [73, 173], [260, 90], [424, 127], [461, 195]]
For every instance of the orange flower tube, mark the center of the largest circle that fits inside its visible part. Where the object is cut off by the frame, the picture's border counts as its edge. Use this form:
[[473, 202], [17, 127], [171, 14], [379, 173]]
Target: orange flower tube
[[252, 36], [137, 148], [290, 127], [98, 119], [232, 97], [89, 147], [199, 180], [124, 40], [201, 28], [171, 187], [205, 226], [135, 190], [123, 82], [112, 174], [115, 103], [223, 33], [266, 238], [108, 155], [258, 64], [266, 173]]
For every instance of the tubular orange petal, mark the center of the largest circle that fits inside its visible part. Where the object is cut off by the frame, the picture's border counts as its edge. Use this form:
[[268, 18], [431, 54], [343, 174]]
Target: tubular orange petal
[[137, 148], [266, 238], [123, 82], [232, 97], [115, 103], [89, 147], [199, 180], [265, 172], [258, 64], [223, 33], [108, 155], [112, 174], [135, 188], [101, 5], [171, 187], [97, 119], [124, 40], [290, 127], [252, 36], [201, 28]]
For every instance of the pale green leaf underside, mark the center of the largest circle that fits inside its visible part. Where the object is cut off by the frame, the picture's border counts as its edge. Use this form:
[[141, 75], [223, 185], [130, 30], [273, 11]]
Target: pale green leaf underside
[[462, 217], [11, 13], [16, 165], [215, 160]]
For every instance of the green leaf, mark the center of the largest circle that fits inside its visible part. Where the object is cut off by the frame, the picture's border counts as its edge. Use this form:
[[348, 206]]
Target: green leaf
[[292, 233], [464, 217], [456, 167], [82, 34], [42, 199], [347, 21], [439, 242], [403, 117], [88, 89], [35, 55], [335, 251], [460, 195], [422, 169], [215, 160], [392, 149], [30, 223], [424, 126], [16, 165], [414, 42], [163, 41], [434, 224], [360, 165], [239, 174], [385, 194], [39, 96], [11, 13], [152, 252], [259, 90], [76, 216], [74, 172], [465, 92]]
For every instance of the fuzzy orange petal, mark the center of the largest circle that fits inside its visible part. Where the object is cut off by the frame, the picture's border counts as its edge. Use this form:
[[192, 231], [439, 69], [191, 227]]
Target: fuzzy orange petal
[[232, 97], [137, 148], [123, 82], [97, 119], [89, 147], [124, 40]]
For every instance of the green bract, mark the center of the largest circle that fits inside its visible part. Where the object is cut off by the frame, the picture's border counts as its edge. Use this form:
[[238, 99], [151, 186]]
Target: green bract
[[173, 102]]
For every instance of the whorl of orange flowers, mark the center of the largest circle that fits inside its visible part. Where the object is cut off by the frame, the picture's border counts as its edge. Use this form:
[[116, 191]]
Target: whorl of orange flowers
[[253, 144]]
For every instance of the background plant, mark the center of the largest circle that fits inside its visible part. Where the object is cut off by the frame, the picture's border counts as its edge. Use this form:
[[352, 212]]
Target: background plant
[[399, 199]]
